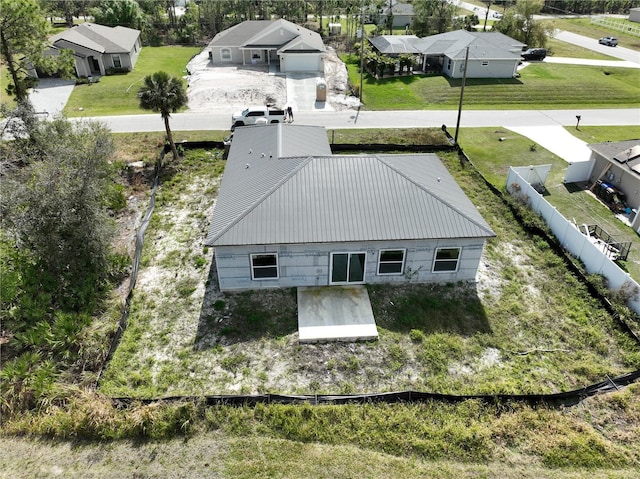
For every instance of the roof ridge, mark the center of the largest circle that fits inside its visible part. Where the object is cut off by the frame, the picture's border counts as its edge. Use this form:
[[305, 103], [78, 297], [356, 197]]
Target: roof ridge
[[432, 194], [262, 198]]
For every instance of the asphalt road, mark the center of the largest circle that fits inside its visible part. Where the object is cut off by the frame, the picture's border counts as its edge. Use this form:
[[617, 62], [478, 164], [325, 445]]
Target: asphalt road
[[386, 119], [585, 42]]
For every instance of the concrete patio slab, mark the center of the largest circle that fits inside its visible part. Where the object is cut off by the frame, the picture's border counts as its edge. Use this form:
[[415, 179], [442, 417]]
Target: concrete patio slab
[[335, 313]]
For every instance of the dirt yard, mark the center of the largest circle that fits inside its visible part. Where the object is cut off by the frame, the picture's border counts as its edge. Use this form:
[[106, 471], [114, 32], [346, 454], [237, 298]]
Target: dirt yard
[[502, 333], [235, 87]]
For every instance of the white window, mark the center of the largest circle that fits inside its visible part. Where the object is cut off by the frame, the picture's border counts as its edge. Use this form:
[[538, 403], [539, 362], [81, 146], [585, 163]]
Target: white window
[[264, 266], [225, 54], [116, 61], [446, 260], [391, 261]]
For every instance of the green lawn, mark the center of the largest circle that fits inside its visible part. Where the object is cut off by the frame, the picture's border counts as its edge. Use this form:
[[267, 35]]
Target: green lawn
[[559, 48], [583, 26], [116, 94], [541, 86]]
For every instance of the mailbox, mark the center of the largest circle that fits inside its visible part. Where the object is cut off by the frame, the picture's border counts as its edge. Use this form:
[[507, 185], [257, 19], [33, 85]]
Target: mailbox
[[321, 90]]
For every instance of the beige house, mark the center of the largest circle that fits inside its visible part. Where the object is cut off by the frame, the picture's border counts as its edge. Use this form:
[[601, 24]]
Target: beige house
[[280, 43], [98, 48]]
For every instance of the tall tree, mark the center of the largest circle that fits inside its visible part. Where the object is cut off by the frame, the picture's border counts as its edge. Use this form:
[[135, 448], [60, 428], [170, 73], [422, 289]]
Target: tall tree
[[165, 94], [432, 16], [54, 205], [125, 13], [518, 22], [23, 40]]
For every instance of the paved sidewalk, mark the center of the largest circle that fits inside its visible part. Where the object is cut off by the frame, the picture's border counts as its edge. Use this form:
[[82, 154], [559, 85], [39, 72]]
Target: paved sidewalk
[[591, 62]]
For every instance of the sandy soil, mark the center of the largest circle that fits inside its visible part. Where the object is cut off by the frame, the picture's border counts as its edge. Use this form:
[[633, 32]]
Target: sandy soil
[[234, 87]]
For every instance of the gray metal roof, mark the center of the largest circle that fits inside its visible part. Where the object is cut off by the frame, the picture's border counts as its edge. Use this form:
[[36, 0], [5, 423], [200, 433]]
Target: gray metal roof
[[482, 45], [394, 44], [611, 149], [324, 198], [99, 38], [265, 34]]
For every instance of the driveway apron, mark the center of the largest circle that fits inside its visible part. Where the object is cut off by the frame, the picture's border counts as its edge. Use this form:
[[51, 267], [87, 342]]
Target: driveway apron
[[50, 96]]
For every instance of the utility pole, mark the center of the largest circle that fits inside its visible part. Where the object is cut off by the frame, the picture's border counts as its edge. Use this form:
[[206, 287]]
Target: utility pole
[[464, 79], [361, 46], [486, 16]]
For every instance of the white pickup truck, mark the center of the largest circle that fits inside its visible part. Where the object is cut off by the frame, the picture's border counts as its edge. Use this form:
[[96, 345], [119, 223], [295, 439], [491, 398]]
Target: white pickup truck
[[256, 115]]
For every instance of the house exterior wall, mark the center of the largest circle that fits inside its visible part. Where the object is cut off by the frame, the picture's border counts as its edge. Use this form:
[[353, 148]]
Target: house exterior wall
[[217, 58], [105, 60], [133, 56], [398, 20], [481, 68], [309, 264], [619, 176]]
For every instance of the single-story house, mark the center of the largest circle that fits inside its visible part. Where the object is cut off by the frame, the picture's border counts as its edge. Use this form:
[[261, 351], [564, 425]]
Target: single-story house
[[618, 163], [289, 213], [491, 54], [97, 48], [265, 42], [401, 14]]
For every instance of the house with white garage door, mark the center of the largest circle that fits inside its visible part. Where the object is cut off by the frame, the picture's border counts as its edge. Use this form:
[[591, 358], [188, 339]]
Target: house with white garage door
[[289, 213], [281, 43]]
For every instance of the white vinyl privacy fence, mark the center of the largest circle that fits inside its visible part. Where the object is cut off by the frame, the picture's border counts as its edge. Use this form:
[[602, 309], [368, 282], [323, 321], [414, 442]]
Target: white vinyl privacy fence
[[567, 233]]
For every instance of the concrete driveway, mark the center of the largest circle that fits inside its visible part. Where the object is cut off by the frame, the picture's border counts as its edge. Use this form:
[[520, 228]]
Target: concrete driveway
[[50, 96], [301, 93]]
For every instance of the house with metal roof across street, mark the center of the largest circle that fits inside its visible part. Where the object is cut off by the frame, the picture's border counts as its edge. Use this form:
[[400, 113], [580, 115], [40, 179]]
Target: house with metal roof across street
[[281, 43], [289, 213], [491, 54], [97, 48]]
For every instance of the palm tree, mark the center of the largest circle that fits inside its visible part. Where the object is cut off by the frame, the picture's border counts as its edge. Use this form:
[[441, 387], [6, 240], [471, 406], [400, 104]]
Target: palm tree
[[165, 94]]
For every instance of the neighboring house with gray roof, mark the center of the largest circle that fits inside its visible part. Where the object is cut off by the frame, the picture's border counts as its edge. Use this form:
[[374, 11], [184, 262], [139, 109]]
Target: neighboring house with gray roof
[[97, 48], [289, 213], [401, 14], [618, 163], [491, 54], [269, 42]]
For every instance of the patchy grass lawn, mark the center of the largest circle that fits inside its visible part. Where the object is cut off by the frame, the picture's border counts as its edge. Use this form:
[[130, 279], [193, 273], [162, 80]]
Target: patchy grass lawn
[[527, 326], [117, 94]]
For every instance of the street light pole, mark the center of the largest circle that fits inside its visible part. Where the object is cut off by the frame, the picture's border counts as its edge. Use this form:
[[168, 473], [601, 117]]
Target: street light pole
[[464, 79]]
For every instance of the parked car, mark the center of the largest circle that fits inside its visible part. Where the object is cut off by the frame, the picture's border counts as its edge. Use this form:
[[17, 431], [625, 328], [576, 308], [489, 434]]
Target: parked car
[[612, 197], [534, 54], [609, 41], [497, 15]]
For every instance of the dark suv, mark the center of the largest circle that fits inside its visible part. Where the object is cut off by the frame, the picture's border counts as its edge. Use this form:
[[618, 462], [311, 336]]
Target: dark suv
[[534, 54]]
